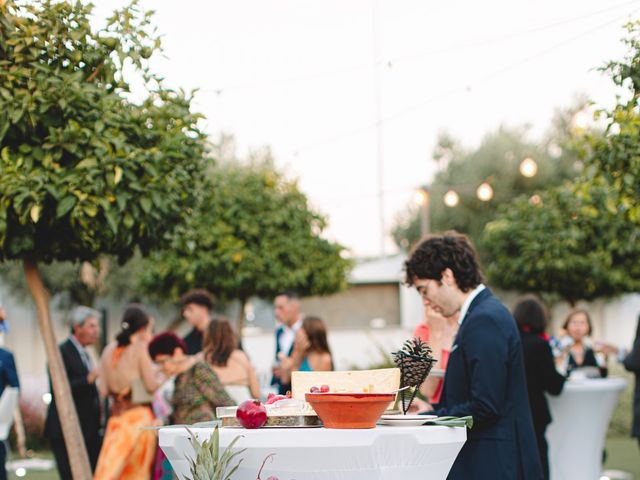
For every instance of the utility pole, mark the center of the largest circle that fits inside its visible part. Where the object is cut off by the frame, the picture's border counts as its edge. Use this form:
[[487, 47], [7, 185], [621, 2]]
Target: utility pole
[[378, 102]]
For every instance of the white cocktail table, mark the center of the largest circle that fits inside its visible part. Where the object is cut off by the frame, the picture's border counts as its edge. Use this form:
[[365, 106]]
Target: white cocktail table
[[385, 452], [576, 435]]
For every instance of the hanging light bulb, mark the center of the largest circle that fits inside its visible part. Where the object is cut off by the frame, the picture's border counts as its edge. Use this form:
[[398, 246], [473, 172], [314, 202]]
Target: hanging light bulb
[[581, 120], [451, 198], [528, 167], [484, 192], [420, 196]]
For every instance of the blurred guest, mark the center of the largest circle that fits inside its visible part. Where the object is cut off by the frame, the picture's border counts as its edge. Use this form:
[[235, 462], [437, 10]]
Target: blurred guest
[[196, 309], [287, 312], [441, 332], [82, 375], [197, 389], [578, 352], [8, 378], [311, 352], [541, 374], [129, 378], [632, 363], [231, 365]]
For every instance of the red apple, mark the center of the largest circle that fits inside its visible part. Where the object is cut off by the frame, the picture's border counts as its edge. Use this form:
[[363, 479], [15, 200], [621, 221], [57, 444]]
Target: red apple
[[324, 389], [251, 414], [314, 389]]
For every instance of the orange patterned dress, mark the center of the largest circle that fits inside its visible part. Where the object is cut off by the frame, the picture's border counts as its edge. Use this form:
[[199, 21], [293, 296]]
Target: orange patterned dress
[[127, 451]]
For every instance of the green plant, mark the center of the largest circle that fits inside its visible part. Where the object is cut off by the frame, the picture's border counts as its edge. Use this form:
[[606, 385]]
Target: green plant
[[208, 463], [252, 233], [86, 168]]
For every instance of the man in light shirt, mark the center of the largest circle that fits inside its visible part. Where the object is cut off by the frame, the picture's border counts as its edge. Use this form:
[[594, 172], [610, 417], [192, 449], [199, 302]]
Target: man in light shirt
[[287, 312], [485, 373]]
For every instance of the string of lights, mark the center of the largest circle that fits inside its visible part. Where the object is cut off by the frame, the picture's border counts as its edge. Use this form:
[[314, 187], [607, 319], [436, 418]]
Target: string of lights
[[455, 90], [388, 63]]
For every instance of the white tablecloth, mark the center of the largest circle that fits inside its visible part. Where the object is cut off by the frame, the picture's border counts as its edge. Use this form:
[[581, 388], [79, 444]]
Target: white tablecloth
[[389, 453], [576, 435]]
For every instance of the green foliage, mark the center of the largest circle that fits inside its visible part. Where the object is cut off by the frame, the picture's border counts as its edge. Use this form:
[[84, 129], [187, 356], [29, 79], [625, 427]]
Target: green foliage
[[209, 464], [615, 157], [497, 161], [253, 233], [85, 169], [582, 240], [572, 244]]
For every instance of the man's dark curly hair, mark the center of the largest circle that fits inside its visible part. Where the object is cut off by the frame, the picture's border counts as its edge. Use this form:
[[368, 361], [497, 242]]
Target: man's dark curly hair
[[198, 296], [435, 253]]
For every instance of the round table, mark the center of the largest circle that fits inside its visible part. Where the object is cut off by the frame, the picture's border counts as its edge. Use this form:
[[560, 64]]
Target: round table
[[385, 452], [581, 415]]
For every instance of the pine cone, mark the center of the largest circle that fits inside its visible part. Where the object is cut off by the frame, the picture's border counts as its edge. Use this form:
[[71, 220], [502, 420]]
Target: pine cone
[[414, 361]]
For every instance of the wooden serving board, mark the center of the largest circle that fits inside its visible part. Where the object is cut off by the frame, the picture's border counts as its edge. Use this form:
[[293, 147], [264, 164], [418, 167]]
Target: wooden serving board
[[383, 380]]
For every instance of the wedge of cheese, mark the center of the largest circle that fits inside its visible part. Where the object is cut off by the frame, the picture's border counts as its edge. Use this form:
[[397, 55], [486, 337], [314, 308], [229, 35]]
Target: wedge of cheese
[[384, 380]]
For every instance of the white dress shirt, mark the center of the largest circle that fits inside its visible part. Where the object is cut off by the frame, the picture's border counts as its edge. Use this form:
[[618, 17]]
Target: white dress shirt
[[467, 303], [288, 336]]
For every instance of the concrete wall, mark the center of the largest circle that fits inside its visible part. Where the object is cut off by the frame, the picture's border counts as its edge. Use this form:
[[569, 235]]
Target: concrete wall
[[357, 306]]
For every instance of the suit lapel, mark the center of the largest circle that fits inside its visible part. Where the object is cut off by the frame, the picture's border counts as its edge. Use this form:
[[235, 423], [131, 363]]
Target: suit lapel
[[482, 296], [75, 355]]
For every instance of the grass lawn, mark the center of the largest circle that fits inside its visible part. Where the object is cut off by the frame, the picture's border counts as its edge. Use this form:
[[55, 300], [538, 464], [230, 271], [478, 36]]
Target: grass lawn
[[623, 454]]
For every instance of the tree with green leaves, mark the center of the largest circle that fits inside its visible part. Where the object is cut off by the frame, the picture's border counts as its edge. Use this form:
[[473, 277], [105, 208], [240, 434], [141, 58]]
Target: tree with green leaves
[[253, 234], [615, 157], [86, 167], [496, 161], [582, 240], [571, 243]]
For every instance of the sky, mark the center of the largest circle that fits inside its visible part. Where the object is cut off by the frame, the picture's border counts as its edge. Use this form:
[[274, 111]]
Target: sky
[[338, 88]]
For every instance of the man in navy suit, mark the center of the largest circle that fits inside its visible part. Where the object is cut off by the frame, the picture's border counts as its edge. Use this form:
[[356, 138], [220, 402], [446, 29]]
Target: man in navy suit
[[287, 311], [82, 379], [8, 378], [485, 375]]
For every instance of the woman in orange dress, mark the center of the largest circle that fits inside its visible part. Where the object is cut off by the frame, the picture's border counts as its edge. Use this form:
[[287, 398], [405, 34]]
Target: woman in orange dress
[[129, 378]]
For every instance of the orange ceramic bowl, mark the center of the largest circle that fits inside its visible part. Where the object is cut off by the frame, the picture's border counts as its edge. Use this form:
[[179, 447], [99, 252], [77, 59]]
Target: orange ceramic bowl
[[350, 410]]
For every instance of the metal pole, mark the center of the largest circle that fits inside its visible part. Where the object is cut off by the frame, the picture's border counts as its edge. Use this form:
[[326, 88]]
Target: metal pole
[[425, 227], [378, 100]]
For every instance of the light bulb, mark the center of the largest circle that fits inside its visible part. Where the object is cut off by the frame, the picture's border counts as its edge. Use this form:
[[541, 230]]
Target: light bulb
[[484, 192], [420, 197], [451, 198], [528, 167]]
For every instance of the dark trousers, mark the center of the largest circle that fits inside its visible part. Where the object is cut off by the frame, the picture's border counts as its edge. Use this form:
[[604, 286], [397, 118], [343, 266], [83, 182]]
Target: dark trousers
[[543, 450], [62, 459], [3, 459]]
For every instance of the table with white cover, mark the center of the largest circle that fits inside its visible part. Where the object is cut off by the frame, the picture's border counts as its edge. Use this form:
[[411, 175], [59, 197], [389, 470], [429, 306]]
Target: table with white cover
[[385, 452], [581, 415]]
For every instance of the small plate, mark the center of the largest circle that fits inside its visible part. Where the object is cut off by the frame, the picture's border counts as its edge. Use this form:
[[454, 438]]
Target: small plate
[[405, 420]]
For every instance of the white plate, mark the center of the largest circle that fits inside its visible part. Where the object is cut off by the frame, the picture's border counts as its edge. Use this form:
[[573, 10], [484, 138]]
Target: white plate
[[405, 420]]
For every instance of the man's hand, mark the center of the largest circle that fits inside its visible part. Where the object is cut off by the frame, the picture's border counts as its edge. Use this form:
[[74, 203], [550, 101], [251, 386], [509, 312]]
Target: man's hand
[[419, 406], [93, 375]]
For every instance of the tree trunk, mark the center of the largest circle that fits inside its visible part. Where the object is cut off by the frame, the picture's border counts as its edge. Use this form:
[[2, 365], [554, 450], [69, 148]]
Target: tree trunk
[[243, 304], [78, 458]]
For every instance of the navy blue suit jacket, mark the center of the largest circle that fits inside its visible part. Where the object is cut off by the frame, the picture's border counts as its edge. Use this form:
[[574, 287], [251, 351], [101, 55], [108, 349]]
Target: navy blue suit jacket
[[485, 379], [283, 388], [8, 372]]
